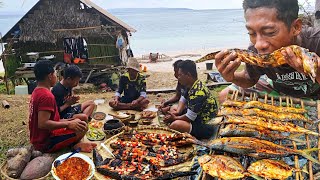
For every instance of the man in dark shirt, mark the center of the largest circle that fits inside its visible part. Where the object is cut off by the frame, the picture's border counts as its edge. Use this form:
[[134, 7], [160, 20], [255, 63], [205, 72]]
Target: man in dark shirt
[[272, 25], [65, 98], [201, 105], [133, 85], [176, 109]]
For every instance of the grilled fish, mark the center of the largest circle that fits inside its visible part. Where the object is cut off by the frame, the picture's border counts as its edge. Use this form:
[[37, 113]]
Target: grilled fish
[[221, 166], [268, 107], [270, 169], [257, 148], [275, 59], [230, 103], [275, 116], [246, 130], [225, 111], [270, 124]]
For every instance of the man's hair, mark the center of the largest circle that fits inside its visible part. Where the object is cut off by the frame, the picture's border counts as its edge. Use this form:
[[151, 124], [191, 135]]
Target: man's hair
[[72, 71], [42, 69], [287, 10], [188, 66], [176, 63]]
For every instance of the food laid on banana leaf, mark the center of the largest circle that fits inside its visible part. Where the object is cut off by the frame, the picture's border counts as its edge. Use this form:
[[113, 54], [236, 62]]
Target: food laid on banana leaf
[[220, 166], [275, 59], [146, 155]]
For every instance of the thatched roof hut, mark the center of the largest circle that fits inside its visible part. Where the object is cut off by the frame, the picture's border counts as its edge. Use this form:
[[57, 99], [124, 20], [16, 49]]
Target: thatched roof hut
[[43, 29]]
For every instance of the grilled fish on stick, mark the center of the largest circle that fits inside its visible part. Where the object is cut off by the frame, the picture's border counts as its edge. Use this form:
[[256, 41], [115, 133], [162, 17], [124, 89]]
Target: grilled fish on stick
[[268, 107], [275, 59]]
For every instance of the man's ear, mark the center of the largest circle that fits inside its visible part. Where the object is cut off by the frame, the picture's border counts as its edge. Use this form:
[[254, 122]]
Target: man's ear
[[296, 27]]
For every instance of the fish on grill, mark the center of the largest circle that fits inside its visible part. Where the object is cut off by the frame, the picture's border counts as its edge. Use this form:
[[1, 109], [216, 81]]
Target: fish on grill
[[220, 166], [231, 103], [276, 109], [271, 169], [275, 116], [247, 130], [257, 148], [270, 124]]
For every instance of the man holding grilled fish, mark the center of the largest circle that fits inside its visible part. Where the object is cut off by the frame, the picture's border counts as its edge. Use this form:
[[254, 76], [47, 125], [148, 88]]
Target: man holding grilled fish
[[279, 48]]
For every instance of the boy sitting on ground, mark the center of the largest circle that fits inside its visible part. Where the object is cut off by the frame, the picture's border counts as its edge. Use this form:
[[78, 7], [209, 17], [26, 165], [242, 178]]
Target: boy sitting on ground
[[65, 98], [133, 84], [201, 105], [49, 133]]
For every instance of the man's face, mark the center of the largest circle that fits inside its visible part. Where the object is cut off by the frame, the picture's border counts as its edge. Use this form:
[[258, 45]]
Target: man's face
[[267, 33], [182, 77], [132, 72], [176, 70], [73, 82], [53, 78]]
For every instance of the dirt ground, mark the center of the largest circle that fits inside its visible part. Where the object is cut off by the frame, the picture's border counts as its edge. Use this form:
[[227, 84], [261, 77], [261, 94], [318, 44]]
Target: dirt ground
[[14, 121]]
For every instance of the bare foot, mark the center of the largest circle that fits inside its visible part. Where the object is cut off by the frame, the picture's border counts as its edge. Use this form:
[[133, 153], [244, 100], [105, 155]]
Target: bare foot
[[85, 146]]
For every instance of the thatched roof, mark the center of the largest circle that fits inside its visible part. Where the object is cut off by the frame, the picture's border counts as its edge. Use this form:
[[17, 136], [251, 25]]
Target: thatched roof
[[49, 20]]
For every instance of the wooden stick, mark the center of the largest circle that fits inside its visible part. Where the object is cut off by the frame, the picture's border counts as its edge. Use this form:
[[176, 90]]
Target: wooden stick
[[102, 57], [5, 104], [266, 98], [296, 160], [272, 101]]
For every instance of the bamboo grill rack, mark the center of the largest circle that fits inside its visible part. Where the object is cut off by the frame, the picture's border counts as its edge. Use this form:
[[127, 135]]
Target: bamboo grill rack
[[290, 102]]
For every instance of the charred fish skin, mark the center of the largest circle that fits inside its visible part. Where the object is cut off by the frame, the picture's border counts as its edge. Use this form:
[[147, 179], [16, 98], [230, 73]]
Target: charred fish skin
[[97, 158], [176, 175], [270, 169], [221, 166]]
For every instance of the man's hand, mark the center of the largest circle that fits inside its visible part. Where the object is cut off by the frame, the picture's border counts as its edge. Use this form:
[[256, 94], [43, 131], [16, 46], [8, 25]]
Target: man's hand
[[169, 118], [292, 60], [77, 125], [227, 64], [135, 103], [72, 100]]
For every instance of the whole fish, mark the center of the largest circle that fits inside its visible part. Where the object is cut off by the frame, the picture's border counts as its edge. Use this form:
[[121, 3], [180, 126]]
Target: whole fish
[[270, 169], [220, 166], [225, 111], [275, 59], [271, 108], [257, 148], [275, 116], [246, 130], [231, 103], [270, 124]]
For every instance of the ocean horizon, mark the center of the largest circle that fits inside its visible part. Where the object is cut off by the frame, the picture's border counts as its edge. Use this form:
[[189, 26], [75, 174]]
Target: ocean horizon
[[172, 31]]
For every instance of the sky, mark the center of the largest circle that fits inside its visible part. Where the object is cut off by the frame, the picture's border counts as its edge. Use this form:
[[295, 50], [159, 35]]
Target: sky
[[24, 5]]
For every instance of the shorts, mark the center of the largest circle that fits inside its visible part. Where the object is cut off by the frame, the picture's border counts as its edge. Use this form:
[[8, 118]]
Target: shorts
[[125, 99], [76, 109], [263, 86], [61, 138], [202, 131]]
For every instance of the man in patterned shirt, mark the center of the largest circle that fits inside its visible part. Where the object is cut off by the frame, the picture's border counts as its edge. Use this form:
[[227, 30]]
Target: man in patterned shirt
[[201, 105], [133, 85]]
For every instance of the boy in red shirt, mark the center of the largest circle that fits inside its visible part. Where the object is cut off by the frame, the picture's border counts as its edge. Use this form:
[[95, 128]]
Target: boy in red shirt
[[49, 133]]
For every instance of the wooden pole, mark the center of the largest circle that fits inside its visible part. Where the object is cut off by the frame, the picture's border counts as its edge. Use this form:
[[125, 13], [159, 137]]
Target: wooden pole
[[4, 66]]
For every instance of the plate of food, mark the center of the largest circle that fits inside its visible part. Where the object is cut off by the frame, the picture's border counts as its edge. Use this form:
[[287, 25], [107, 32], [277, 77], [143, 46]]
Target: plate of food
[[95, 134], [78, 166], [148, 114], [99, 116], [96, 124]]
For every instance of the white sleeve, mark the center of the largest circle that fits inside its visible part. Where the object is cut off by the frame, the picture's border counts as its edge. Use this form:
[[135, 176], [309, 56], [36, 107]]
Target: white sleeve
[[191, 115], [118, 94], [143, 94], [183, 99]]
